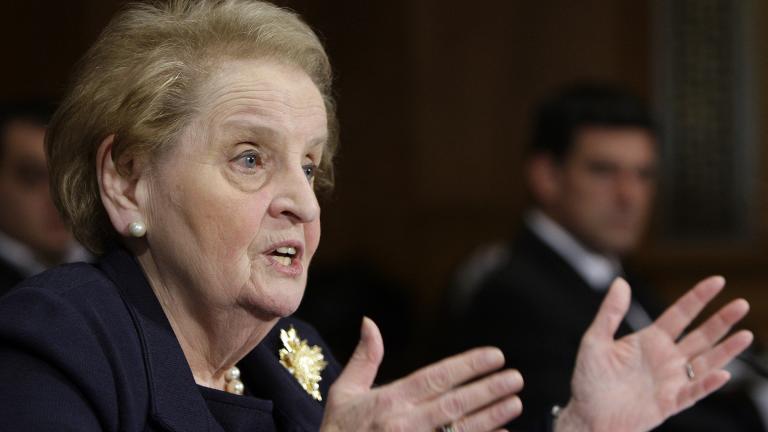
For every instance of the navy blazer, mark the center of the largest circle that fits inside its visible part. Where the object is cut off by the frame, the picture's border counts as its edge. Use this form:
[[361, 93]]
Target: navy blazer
[[88, 348]]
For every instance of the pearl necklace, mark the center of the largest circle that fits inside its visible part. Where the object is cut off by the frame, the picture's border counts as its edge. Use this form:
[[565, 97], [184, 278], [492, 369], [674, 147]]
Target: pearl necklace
[[234, 385]]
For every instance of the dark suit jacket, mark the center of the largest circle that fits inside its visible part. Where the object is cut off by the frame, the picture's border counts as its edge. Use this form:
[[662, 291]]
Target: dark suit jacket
[[88, 348], [536, 307]]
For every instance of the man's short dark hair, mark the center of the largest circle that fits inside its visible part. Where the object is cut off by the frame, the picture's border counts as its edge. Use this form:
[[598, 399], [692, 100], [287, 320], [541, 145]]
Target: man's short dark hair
[[560, 118]]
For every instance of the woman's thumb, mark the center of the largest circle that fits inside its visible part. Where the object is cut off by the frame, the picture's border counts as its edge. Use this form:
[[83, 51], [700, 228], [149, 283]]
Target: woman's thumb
[[359, 373]]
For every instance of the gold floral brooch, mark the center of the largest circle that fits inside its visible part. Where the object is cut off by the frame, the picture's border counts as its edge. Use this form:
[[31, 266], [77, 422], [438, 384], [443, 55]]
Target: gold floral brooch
[[304, 362]]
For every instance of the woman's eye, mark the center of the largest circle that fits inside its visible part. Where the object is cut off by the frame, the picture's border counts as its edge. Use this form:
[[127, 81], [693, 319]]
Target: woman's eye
[[249, 161], [310, 170]]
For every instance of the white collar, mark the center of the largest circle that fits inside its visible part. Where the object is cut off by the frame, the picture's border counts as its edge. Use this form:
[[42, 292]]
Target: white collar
[[23, 258], [596, 269]]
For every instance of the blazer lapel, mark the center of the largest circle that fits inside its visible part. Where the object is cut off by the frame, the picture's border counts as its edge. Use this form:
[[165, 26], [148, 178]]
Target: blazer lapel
[[175, 401]]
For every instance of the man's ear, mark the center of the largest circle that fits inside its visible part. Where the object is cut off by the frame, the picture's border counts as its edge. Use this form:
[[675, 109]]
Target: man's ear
[[118, 192], [544, 178]]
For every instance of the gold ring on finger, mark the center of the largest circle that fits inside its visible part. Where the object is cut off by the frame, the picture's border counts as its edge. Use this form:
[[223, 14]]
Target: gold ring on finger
[[689, 371], [446, 428]]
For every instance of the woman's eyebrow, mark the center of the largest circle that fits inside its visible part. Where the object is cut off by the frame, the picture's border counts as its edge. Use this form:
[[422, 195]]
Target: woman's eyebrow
[[266, 130]]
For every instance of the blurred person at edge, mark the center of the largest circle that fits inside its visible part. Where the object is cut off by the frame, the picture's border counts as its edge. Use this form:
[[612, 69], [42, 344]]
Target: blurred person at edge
[[591, 171], [187, 154], [32, 234]]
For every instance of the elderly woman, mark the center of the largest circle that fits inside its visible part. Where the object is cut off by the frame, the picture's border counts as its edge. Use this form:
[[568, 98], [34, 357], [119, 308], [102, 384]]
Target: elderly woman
[[186, 154]]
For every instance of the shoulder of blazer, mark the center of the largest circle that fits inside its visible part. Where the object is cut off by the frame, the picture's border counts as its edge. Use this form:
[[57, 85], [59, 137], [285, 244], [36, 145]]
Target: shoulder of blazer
[[73, 321], [538, 262]]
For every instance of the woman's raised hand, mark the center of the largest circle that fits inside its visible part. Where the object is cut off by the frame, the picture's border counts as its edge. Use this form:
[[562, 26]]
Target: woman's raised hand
[[636, 382], [463, 391]]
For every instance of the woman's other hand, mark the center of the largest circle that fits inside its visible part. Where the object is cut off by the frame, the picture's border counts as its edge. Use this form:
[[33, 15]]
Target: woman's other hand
[[440, 394], [638, 381]]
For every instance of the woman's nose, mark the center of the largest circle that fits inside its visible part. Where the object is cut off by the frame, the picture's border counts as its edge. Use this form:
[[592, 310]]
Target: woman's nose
[[295, 197]]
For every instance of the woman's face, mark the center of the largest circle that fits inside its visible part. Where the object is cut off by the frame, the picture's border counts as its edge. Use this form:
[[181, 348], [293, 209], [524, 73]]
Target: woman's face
[[232, 214]]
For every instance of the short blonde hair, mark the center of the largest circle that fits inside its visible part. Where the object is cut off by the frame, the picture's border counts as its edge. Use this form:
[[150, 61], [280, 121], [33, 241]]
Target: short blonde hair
[[139, 81]]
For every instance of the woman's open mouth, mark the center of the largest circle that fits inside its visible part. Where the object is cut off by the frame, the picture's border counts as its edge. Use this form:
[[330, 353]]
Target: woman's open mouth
[[286, 258], [284, 255]]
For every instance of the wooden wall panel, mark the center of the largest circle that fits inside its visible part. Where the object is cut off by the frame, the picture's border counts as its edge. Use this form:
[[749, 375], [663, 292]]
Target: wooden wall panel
[[434, 99]]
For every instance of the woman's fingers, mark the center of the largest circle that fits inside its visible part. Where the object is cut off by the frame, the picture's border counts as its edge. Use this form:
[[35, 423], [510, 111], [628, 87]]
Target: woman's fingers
[[717, 326], [436, 379], [722, 353], [612, 310], [707, 368], [701, 388], [427, 398], [482, 405], [360, 371], [498, 414], [678, 316]]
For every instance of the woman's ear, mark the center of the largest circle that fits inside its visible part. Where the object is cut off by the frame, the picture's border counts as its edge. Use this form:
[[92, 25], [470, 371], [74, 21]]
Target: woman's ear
[[118, 192]]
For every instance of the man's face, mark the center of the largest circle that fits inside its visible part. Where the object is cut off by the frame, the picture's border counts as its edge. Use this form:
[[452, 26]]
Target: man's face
[[27, 213], [605, 186]]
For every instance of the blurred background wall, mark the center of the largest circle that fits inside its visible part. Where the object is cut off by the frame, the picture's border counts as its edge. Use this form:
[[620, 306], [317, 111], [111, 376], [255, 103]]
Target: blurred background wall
[[435, 99]]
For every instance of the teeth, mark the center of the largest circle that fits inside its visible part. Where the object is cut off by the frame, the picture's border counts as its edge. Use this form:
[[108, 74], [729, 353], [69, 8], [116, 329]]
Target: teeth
[[286, 261], [288, 250]]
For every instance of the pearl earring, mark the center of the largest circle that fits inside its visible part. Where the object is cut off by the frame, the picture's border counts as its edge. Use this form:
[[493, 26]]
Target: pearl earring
[[137, 229]]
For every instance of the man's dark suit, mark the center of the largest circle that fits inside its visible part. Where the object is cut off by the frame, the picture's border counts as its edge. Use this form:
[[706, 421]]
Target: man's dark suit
[[88, 348], [536, 307]]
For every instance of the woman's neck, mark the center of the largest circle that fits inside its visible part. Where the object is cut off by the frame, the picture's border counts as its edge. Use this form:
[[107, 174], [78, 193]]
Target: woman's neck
[[213, 338]]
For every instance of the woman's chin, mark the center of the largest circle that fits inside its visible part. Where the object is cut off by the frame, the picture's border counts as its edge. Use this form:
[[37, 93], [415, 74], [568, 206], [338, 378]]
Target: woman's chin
[[279, 304]]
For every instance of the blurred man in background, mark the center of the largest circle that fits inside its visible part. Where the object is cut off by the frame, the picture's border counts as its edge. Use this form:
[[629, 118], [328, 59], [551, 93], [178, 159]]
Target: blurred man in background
[[591, 173], [32, 235]]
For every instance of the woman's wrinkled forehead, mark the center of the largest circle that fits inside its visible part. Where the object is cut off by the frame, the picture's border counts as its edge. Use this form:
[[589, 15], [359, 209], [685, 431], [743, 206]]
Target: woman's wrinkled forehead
[[259, 95], [272, 78]]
